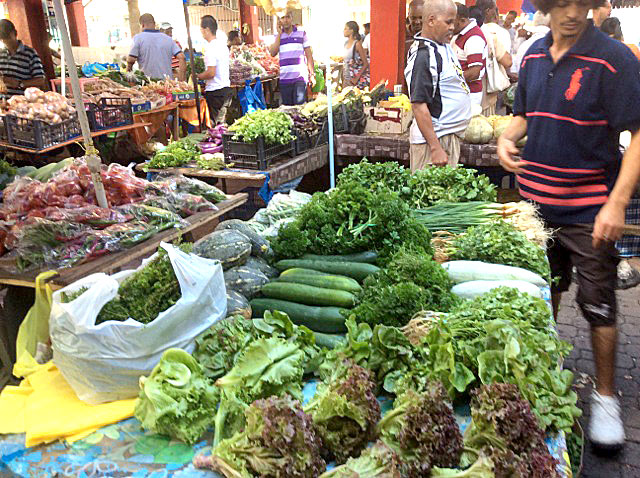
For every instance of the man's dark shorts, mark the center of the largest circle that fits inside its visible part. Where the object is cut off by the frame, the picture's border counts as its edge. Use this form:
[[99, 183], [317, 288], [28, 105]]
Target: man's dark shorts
[[597, 271]]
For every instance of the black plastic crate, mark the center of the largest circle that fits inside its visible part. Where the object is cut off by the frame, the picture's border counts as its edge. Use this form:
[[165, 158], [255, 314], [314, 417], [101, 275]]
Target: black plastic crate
[[36, 134], [110, 113], [3, 130], [306, 141], [256, 155]]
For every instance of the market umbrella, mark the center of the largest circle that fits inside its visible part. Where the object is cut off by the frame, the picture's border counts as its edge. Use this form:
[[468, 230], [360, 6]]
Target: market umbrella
[[91, 153]]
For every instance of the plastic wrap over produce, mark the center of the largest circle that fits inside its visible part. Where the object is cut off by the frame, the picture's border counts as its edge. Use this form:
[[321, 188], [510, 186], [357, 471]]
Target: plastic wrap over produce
[[57, 222], [104, 362]]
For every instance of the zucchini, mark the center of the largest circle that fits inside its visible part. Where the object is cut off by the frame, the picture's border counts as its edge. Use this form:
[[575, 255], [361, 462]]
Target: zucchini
[[329, 341], [319, 319], [356, 270], [369, 257], [320, 279], [308, 294]]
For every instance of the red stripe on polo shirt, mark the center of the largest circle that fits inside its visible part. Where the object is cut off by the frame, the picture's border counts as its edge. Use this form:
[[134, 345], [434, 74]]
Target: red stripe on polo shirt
[[588, 201], [596, 60], [585, 189], [533, 55], [567, 180], [565, 170], [567, 118]]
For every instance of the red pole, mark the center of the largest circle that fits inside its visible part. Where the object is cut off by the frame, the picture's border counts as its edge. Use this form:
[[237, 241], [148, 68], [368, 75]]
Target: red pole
[[77, 24], [249, 17], [387, 41]]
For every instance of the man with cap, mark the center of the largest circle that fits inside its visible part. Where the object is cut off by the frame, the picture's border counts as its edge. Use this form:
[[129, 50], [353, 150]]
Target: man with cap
[[167, 29], [20, 65], [296, 61], [154, 51]]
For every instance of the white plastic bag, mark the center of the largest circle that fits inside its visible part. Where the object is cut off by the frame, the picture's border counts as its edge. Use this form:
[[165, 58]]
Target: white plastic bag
[[104, 362]]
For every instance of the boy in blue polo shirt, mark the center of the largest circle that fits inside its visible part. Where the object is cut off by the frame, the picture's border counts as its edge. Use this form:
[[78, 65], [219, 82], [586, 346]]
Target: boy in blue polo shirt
[[578, 89]]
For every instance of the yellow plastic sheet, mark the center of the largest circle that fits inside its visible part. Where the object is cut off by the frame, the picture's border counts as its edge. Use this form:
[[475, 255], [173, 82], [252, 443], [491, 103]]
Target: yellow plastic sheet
[[46, 408], [34, 327]]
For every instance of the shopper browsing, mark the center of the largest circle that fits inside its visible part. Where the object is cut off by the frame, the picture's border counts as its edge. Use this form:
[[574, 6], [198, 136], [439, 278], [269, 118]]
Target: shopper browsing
[[154, 51], [167, 29], [438, 91], [20, 65], [217, 92], [356, 62], [296, 61], [499, 60], [570, 105], [470, 47]]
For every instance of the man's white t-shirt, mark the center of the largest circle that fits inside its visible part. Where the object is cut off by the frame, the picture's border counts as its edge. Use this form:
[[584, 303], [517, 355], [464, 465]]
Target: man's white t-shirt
[[366, 43], [217, 54]]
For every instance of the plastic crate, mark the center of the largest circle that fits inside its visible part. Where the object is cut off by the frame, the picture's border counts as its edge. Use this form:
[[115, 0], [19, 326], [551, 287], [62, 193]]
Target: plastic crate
[[3, 130], [110, 113], [254, 155], [37, 135], [340, 120], [305, 141]]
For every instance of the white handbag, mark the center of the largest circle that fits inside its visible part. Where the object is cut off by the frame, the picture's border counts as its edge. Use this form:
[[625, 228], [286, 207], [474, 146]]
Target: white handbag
[[497, 78]]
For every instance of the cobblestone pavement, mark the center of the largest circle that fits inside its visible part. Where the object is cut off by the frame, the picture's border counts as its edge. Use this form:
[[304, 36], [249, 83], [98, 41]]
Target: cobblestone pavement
[[573, 328]]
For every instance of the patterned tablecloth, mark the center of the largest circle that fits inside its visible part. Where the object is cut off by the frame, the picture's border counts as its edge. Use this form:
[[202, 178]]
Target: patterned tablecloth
[[397, 147]]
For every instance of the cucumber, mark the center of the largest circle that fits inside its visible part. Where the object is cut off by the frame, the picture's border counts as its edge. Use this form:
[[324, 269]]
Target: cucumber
[[301, 271], [308, 294], [320, 279], [356, 270], [329, 341], [319, 319], [368, 257]]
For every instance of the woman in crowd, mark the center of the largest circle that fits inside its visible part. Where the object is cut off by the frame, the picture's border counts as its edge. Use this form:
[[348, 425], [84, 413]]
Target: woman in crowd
[[611, 26], [356, 71]]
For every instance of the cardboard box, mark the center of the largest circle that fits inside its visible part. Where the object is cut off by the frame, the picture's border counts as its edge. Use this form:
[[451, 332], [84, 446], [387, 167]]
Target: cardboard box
[[381, 119], [141, 107]]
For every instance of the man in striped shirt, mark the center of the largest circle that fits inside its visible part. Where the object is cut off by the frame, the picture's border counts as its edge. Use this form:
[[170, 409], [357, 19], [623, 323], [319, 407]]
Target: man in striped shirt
[[577, 90], [20, 65], [296, 61]]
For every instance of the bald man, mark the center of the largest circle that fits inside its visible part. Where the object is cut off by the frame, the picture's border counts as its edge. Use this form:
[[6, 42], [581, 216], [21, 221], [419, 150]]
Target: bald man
[[154, 51], [439, 93]]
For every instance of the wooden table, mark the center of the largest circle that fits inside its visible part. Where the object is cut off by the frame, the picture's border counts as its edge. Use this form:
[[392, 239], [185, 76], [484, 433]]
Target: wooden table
[[392, 146], [154, 120], [200, 225], [131, 128], [280, 172]]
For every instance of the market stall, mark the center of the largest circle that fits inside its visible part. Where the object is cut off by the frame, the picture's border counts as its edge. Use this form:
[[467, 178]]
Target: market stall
[[417, 288]]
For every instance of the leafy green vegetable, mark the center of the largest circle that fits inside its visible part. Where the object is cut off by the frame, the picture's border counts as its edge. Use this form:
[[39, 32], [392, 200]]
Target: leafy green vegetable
[[500, 243], [146, 293], [176, 399], [352, 219], [278, 441], [482, 468], [274, 126], [176, 154], [7, 173], [383, 350], [268, 366], [502, 336], [387, 174], [434, 185], [345, 411], [379, 461], [422, 429], [220, 346], [411, 282], [504, 428]]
